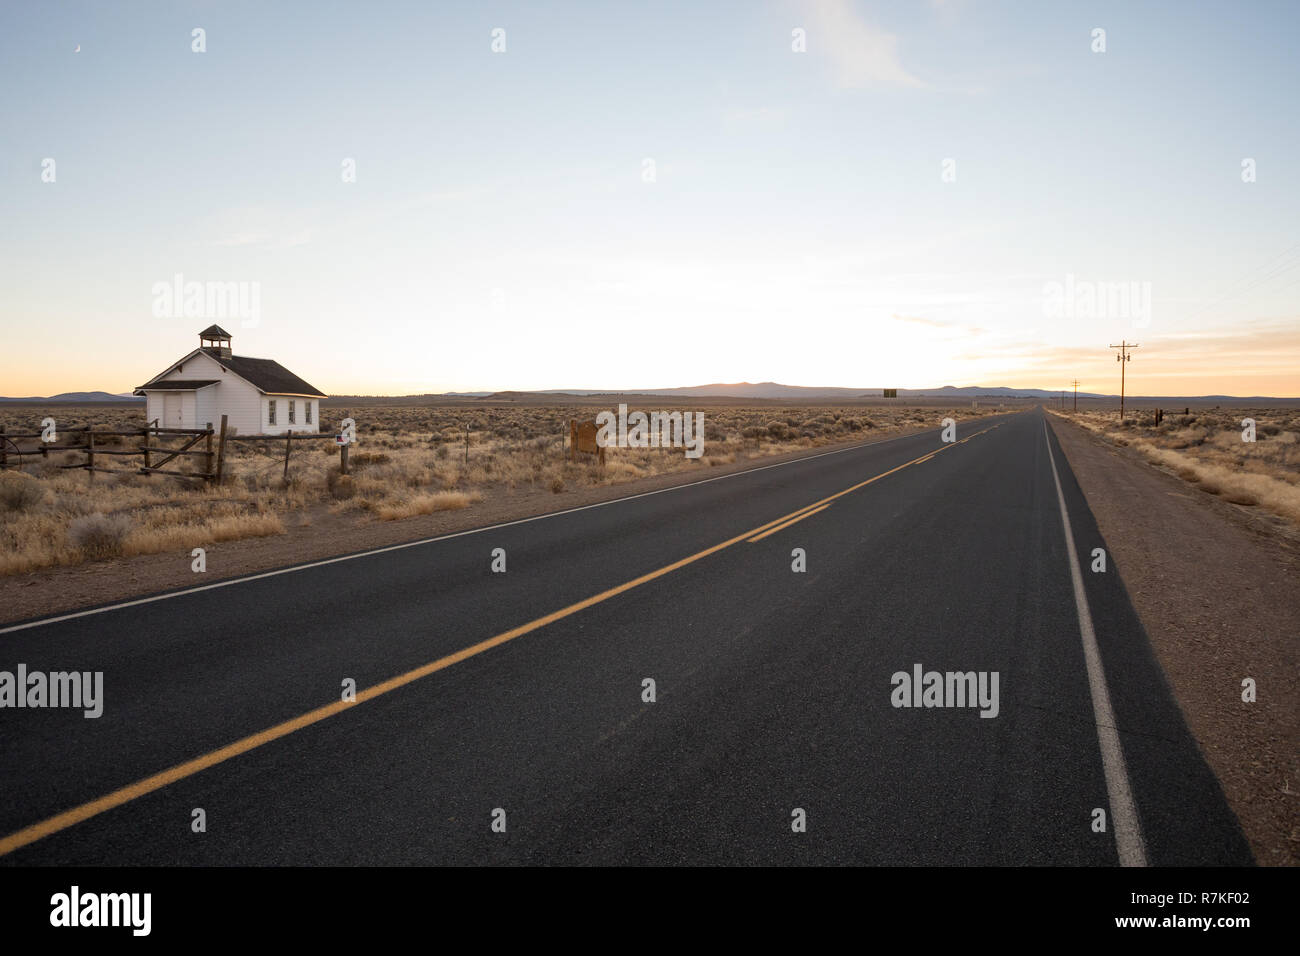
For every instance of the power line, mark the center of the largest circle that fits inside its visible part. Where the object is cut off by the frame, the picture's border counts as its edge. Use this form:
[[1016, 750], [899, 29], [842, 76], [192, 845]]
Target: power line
[[1252, 277]]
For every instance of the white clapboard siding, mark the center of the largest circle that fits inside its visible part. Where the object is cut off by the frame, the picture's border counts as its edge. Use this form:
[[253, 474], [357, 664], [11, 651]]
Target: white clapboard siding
[[299, 426]]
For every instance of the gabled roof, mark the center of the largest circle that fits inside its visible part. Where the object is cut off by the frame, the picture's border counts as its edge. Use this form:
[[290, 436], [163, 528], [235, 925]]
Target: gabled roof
[[178, 385], [266, 375]]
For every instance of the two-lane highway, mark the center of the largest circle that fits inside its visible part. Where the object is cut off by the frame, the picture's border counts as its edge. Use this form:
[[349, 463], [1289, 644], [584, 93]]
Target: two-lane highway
[[775, 689]]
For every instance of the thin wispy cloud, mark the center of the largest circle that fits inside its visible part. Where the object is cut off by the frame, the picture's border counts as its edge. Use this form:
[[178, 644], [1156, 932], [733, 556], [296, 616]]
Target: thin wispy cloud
[[960, 327], [452, 195], [861, 55], [266, 240], [756, 117], [245, 239], [921, 320]]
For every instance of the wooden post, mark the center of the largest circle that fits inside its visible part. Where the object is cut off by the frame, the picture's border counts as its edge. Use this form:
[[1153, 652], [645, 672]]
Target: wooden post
[[288, 447], [144, 441], [208, 460], [343, 459], [221, 450], [90, 455]]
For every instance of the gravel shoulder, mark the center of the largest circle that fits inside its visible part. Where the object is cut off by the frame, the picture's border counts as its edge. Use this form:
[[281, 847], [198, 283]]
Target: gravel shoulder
[[1215, 585]]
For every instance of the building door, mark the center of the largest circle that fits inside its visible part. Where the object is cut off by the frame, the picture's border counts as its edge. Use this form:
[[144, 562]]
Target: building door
[[173, 410]]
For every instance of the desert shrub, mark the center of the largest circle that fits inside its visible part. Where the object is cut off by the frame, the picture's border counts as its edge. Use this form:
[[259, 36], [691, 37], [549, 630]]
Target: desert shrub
[[779, 430], [557, 485], [99, 535], [19, 492], [341, 487]]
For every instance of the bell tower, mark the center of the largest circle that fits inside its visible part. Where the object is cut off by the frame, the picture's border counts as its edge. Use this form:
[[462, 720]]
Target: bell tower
[[216, 339]]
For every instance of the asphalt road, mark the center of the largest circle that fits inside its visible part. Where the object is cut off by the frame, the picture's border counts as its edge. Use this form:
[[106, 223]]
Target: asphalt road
[[773, 689]]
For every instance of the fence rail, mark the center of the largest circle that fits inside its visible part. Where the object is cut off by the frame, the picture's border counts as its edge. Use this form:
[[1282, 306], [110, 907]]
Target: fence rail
[[150, 448], [12, 453]]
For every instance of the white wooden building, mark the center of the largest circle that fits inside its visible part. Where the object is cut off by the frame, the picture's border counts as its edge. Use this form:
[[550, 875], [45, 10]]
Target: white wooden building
[[258, 396]]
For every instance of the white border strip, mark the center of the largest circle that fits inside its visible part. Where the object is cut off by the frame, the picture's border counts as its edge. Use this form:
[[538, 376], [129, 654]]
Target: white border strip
[[457, 534], [1128, 830]]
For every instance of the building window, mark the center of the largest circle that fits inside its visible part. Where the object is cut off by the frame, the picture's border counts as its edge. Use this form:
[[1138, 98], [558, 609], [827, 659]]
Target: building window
[[270, 412], [291, 410], [307, 413]]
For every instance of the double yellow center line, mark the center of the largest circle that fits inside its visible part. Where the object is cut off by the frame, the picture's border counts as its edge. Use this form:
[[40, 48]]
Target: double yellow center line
[[140, 788]]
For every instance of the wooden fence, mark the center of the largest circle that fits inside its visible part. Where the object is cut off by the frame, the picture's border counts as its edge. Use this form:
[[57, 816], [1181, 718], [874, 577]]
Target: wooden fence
[[207, 445], [152, 448]]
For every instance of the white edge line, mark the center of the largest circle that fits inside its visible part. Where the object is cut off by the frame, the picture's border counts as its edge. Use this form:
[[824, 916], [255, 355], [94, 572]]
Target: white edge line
[[412, 544], [1123, 811]]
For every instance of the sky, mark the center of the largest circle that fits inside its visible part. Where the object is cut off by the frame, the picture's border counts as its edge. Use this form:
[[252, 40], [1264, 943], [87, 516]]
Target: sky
[[814, 192]]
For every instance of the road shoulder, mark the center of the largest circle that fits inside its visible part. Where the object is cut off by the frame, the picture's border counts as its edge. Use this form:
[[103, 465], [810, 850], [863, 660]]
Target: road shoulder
[[1216, 593]]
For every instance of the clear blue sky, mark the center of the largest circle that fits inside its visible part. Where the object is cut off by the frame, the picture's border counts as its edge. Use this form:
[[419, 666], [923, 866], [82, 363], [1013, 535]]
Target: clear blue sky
[[500, 235]]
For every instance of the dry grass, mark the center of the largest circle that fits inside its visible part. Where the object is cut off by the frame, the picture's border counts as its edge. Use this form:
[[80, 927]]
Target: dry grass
[[1205, 448], [409, 460], [426, 504]]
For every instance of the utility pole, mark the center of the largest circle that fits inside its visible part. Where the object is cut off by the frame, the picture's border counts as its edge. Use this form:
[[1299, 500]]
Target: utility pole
[[1123, 358], [1076, 394]]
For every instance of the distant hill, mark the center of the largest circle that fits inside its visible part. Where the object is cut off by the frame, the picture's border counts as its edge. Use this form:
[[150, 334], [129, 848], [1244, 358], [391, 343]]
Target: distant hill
[[793, 392], [779, 392], [766, 391], [77, 398]]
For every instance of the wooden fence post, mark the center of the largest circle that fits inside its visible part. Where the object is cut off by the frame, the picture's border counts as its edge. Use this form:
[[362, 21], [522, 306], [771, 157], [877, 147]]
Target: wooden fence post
[[208, 460], [221, 450], [144, 442], [288, 449]]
